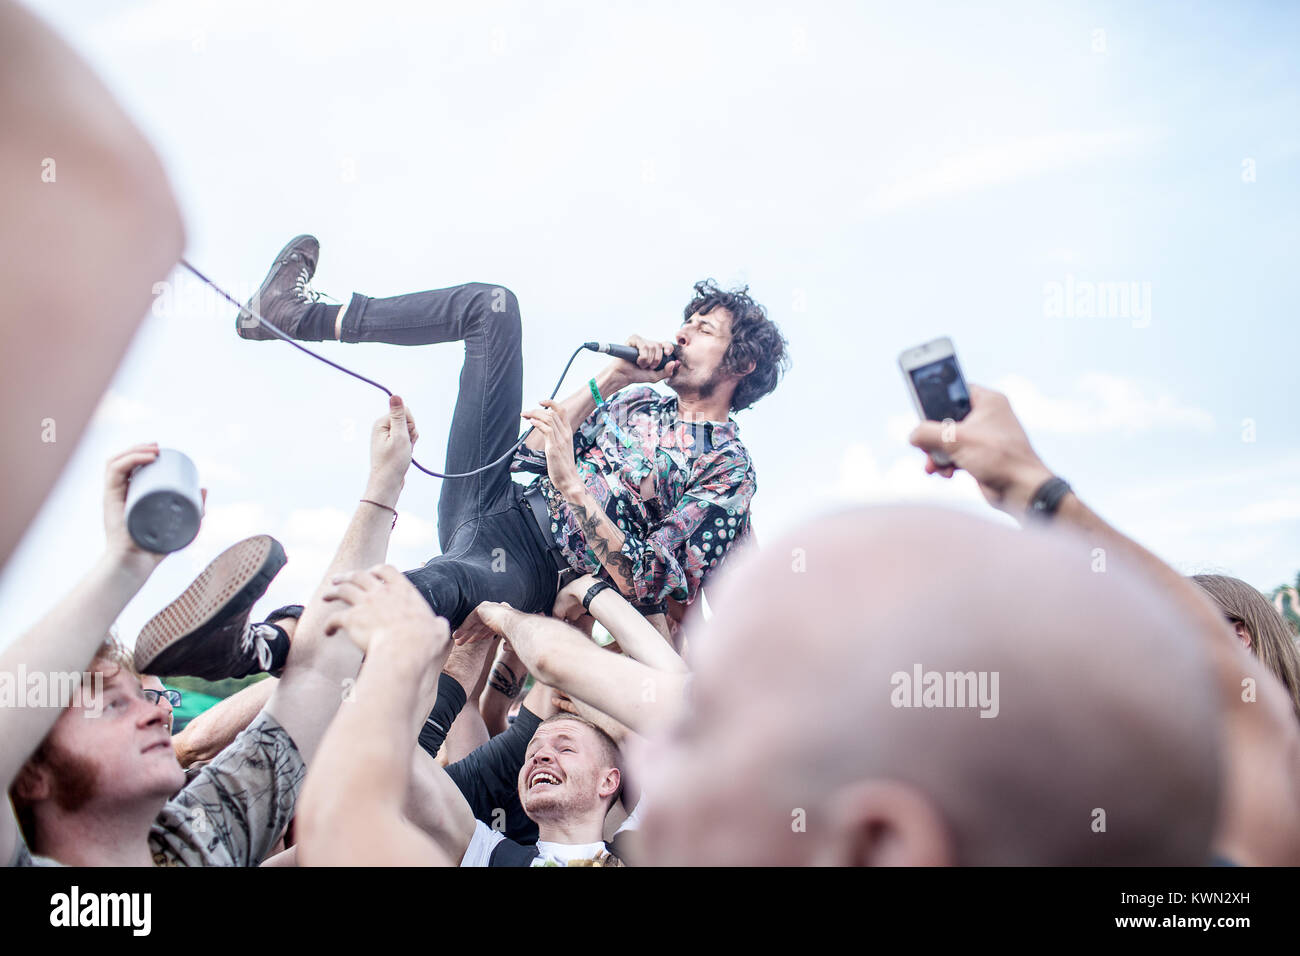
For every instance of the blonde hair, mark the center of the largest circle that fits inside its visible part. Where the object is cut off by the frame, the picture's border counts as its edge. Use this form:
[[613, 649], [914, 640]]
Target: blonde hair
[[111, 650], [1270, 638]]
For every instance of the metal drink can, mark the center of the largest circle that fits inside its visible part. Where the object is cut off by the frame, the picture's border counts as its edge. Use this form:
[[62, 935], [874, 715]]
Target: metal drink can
[[163, 503]]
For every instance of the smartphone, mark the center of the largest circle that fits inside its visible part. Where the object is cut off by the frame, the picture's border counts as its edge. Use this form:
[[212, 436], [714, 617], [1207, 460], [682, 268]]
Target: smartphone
[[937, 385]]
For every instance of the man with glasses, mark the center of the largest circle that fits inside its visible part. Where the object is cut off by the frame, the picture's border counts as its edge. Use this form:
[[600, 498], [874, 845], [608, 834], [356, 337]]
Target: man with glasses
[[165, 697]]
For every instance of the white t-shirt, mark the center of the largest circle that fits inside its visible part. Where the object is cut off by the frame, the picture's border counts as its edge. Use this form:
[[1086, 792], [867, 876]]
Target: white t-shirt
[[485, 840], [633, 821]]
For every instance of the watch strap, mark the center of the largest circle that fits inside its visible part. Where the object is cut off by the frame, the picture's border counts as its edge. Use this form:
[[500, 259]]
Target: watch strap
[[591, 594], [1047, 499]]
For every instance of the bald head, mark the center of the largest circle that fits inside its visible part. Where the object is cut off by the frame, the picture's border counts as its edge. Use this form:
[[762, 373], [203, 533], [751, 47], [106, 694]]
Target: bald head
[[911, 685]]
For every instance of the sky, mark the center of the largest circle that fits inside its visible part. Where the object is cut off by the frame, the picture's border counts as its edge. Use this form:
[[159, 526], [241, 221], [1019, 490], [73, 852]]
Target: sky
[[1096, 202]]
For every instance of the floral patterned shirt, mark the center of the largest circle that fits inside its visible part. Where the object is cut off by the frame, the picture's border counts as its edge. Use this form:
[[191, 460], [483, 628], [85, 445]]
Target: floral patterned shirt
[[678, 491]]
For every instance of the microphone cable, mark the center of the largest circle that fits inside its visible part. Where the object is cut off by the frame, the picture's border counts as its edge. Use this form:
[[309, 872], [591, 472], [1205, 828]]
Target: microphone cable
[[369, 381]]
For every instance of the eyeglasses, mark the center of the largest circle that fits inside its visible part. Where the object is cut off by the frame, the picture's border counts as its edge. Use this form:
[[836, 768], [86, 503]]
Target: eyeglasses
[[172, 697]]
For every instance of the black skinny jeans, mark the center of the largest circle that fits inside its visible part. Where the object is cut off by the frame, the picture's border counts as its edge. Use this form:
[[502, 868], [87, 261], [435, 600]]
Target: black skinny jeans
[[488, 536]]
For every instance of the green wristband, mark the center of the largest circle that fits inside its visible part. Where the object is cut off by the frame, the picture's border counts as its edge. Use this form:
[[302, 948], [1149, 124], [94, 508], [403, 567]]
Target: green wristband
[[595, 392]]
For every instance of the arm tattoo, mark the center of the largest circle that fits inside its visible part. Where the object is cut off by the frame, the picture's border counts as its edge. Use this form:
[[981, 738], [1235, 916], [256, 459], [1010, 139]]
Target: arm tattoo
[[503, 681], [618, 563]]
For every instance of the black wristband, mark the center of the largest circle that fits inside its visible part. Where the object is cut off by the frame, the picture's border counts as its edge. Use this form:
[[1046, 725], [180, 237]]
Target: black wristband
[[591, 594], [1048, 497], [451, 698]]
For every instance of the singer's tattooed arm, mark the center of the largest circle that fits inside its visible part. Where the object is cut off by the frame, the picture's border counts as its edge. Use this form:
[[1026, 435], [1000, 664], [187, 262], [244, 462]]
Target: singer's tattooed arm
[[604, 540]]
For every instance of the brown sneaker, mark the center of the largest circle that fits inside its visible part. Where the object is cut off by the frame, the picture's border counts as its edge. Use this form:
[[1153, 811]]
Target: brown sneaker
[[285, 294], [206, 631]]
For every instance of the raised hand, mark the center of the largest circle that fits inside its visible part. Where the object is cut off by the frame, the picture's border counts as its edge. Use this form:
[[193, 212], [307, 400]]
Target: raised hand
[[568, 603], [991, 444], [553, 425], [489, 619], [649, 353], [392, 441], [117, 479]]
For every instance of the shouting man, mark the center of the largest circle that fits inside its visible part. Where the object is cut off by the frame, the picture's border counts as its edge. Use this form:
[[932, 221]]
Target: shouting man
[[648, 492]]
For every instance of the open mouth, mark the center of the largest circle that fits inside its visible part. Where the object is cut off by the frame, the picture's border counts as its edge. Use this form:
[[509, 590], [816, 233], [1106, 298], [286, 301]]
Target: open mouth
[[543, 777]]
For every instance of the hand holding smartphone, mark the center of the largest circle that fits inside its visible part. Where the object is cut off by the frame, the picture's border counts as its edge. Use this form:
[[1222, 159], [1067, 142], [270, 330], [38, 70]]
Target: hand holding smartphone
[[936, 384]]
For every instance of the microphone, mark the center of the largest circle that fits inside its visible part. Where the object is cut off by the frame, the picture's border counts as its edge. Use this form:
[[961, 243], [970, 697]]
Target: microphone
[[625, 352]]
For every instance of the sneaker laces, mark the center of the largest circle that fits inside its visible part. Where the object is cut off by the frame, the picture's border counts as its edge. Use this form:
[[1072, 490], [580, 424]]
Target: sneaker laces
[[302, 286], [255, 641]]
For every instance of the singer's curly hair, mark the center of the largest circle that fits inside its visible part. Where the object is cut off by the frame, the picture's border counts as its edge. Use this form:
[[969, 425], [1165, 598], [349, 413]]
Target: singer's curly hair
[[754, 337]]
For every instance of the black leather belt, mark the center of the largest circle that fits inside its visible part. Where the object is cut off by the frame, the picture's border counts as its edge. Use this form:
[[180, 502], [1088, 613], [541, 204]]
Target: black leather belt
[[534, 503]]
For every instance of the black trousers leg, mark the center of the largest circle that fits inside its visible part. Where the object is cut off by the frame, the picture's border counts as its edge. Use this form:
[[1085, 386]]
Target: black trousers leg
[[490, 398]]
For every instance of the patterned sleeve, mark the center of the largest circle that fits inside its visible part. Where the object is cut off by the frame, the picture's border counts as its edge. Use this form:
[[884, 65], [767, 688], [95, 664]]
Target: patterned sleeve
[[678, 556], [585, 435], [617, 411], [236, 808]]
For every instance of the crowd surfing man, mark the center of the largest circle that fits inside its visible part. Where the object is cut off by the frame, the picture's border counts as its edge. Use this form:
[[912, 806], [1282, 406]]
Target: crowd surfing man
[[649, 493]]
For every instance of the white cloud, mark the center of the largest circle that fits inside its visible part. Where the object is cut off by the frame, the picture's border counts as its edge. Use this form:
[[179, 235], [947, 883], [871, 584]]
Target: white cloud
[[1220, 484], [1205, 514], [315, 528], [414, 534], [1101, 403], [1241, 522], [1098, 402], [232, 522], [865, 479]]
